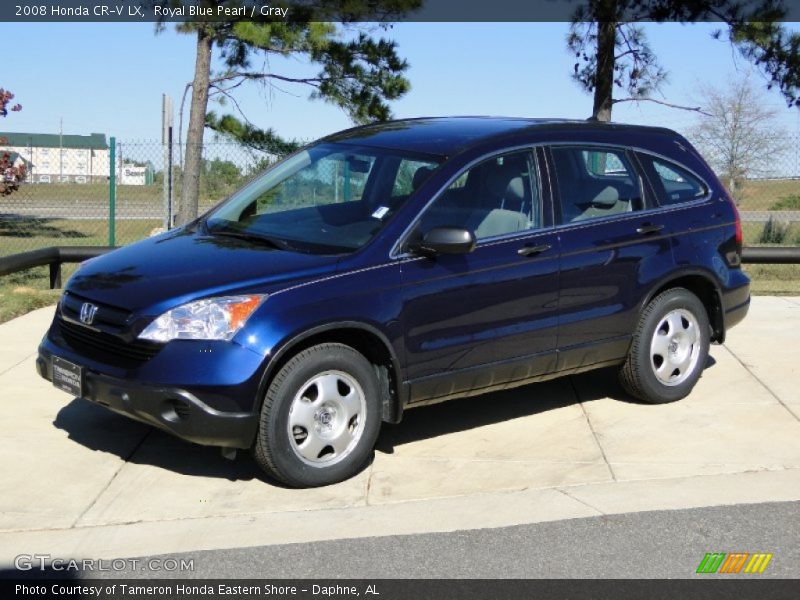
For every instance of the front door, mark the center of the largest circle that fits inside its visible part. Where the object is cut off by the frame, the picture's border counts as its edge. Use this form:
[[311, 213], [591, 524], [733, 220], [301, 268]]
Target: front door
[[474, 321]]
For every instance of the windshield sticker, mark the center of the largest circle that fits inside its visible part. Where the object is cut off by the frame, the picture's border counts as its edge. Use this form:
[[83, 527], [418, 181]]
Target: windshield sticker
[[380, 212]]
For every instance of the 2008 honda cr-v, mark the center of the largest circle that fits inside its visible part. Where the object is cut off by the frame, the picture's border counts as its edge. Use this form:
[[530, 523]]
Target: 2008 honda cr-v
[[405, 263]]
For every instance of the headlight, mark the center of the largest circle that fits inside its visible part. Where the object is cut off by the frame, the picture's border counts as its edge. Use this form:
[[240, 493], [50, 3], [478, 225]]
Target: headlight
[[209, 319]]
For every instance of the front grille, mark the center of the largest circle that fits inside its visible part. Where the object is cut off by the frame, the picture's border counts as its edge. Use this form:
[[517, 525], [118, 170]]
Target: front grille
[[83, 339], [108, 318]]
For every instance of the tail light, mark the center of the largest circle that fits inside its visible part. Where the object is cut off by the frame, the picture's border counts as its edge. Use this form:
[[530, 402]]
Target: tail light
[[738, 225], [732, 249]]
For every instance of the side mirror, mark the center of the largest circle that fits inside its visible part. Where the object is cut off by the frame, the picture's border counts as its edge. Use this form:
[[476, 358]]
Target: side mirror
[[446, 240]]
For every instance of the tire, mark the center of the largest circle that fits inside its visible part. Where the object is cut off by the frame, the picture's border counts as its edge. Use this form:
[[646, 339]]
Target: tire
[[669, 348], [320, 417]]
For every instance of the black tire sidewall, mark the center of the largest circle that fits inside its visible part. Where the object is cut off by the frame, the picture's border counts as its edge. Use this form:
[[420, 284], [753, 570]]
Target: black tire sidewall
[[275, 415], [654, 390]]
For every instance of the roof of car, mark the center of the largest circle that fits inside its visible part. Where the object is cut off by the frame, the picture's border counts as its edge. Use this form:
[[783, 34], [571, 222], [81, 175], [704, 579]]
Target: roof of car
[[446, 136]]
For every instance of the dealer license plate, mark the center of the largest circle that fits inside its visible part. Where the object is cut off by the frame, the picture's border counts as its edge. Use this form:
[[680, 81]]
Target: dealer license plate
[[68, 376]]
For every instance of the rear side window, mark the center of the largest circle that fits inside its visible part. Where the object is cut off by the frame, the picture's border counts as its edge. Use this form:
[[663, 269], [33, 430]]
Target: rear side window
[[595, 183], [674, 184]]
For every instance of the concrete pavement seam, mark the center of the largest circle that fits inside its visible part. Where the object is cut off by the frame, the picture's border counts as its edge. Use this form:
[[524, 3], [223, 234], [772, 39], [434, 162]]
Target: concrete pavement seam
[[562, 489], [113, 477], [369, 483], [586, 504], [591, 428], [763, 384], [794, 300], [15, 365]]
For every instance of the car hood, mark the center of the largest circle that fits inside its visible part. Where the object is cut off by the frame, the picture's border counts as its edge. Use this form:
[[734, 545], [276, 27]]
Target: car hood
[[161, 272]]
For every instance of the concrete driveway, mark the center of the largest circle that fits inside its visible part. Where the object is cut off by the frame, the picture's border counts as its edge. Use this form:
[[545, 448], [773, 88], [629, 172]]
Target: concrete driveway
[[79, 481]]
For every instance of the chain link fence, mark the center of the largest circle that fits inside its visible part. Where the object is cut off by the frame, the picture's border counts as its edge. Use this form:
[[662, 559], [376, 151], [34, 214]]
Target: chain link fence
[[65, 196], [768, 194]]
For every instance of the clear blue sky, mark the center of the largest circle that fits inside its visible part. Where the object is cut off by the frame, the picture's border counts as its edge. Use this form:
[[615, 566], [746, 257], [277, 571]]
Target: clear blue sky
[[109, 77]]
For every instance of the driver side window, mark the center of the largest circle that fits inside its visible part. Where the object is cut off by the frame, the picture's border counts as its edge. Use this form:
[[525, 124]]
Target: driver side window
[[496, 197]]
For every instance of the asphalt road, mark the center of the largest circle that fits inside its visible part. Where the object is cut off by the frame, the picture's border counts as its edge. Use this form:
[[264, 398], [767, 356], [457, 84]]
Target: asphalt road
[[660, 544]]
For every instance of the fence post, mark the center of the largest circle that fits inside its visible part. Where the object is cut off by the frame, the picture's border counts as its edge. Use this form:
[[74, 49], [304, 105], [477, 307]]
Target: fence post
[[55, 275], [112, 192]]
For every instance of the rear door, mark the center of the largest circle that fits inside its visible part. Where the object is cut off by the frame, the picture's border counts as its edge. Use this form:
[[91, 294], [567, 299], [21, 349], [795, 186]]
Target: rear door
[[612, 247], [476, 320]]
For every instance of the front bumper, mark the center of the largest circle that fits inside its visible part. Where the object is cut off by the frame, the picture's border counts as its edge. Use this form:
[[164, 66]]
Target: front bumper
[[203, 414]]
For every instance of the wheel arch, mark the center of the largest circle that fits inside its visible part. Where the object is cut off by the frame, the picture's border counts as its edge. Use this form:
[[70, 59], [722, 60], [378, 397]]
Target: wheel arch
[[362, 337], [702, 285]]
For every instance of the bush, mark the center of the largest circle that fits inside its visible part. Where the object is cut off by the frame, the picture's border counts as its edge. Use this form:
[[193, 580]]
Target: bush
[[774, 232], [787, 203]]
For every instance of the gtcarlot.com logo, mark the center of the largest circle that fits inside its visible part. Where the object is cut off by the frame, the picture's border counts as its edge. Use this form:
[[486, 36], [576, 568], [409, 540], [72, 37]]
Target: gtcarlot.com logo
[[46, 562]]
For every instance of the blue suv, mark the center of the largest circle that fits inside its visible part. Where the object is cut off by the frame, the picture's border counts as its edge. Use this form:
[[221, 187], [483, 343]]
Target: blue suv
[[400, 264]]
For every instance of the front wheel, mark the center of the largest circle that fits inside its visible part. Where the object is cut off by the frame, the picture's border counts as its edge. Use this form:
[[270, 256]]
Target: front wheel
[[669, 348], [320, 417]]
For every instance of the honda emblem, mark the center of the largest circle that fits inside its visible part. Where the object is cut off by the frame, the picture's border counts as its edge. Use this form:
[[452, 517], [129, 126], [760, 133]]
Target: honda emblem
[[88, 311]]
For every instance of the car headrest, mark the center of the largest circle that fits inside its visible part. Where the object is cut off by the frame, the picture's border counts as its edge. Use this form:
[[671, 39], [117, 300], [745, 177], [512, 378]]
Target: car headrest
[[506, 183], [420, 175], [607, 197]]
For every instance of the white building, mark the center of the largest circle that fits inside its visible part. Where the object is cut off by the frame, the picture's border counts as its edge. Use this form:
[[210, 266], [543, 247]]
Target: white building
[[54, 158]]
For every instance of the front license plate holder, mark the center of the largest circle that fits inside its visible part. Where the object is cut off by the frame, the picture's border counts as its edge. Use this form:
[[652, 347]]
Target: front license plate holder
[[68, 376]]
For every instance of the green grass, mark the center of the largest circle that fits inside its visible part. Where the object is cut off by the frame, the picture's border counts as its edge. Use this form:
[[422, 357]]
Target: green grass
[[787, 203], [28, 290], [764, 195], [29, 233], [752, 233], [774, 280], [95, 195]]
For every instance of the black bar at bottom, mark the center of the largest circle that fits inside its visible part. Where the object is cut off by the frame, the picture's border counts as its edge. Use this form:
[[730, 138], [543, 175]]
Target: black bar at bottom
[[735, 586]]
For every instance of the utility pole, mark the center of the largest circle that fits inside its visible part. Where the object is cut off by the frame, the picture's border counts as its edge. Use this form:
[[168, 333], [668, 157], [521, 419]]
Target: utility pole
[[166, 141], [60, 149]]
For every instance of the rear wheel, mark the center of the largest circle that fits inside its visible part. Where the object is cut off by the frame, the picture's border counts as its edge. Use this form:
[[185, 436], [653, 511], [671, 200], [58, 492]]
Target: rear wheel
[[320, 417], [669, 348]]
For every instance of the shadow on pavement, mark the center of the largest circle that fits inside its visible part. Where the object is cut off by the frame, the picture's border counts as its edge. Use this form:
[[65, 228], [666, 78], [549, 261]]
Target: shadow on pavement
[[99, 429], [470, 413]]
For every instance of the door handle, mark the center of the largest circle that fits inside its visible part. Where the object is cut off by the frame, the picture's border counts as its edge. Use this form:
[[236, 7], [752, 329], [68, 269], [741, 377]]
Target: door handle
[[647, 229], [533, 250]]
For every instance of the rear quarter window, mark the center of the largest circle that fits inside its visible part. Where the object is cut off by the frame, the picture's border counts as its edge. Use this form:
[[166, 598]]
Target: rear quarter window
[[674, 184]]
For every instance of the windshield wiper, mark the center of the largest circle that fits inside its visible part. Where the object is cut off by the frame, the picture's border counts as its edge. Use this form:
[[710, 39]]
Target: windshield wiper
[[251, 237]]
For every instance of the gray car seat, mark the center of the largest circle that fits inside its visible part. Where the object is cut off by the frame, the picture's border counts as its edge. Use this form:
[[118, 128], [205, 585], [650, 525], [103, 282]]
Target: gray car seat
[[480, 205], [606, 202]]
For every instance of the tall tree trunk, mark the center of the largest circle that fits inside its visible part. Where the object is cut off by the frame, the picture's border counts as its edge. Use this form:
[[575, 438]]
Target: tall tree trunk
[[194, 135], [604, 77]]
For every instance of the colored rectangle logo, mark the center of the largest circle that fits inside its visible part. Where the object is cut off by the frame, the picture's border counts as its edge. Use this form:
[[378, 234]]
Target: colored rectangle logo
[[734, 563]]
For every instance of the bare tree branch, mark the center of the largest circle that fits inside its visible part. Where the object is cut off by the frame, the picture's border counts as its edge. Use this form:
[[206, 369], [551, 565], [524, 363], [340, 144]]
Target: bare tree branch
[[738, 134], [697, 109], [226, 93]]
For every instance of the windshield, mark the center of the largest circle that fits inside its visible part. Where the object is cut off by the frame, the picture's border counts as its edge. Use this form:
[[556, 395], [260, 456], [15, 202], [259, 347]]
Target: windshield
[[329, 198]]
